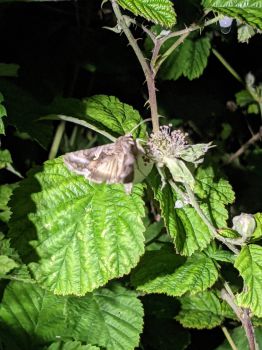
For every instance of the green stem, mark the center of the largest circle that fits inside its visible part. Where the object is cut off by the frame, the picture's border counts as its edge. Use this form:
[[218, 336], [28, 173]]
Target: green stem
[[183, 34], [227, 66], [229, 339], [57, 139]]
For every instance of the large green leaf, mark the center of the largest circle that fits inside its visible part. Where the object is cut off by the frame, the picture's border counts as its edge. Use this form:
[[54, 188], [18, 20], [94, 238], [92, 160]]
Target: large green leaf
[[204, 310], [249, 11], [157, 11], [249, 264], [196, 275], [189, 59], [109, 317], [84, 234], [5, 194], [240, 339], [114, 115], [183, 224]]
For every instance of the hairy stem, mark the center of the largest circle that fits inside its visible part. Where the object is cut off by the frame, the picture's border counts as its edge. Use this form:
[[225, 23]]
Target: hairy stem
[[57, 139], [149, 74], [242, 315]]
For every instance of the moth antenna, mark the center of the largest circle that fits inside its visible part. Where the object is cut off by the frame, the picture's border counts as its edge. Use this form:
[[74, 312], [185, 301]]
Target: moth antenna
[[142, 122]]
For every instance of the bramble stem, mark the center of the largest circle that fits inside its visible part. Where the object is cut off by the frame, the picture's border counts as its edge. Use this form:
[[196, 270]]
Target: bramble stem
[[149, 74], [242, 314], [57, 139]]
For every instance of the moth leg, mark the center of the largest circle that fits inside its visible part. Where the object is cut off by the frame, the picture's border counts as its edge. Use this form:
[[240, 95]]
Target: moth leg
[[128, 187]]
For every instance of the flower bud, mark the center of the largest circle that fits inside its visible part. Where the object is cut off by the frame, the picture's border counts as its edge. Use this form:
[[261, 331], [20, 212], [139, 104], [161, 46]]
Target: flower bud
[[244, 224]]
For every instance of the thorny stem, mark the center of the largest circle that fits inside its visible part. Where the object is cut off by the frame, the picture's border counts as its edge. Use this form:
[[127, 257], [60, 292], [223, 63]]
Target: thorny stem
[[149, 74], [242, 314], [57, 139]]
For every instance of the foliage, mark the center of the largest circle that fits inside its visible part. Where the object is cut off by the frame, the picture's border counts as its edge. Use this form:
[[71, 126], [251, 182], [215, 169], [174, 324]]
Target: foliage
[[89, 264]]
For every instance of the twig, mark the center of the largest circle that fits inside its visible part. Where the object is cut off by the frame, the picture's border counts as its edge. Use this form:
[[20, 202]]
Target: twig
[[229, 339], [245, 146]]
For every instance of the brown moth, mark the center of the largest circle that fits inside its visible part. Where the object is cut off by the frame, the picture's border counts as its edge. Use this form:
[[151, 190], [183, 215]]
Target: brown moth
[[112, 163]]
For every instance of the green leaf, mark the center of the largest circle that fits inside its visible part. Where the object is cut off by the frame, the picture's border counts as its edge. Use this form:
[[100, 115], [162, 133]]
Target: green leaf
[[119, 318], [109, 317], [5, 194], [253, 108], [71, 345], [8, 70], [2, 114], [200, 311], [219, 254], [6, 265], [114, 115], [183, 224], [249, 264], [188, 60], [258, 231], [5, 158], [249, 11], [196, 275], [240, 339], [157, 11], [243, 98], [84, 233]]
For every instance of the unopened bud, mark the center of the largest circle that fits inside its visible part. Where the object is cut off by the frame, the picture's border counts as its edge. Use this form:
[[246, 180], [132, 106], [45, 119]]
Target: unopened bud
[[244, 224]]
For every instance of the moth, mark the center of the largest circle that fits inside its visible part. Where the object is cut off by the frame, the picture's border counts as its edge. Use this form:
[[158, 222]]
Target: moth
[[111, 164]]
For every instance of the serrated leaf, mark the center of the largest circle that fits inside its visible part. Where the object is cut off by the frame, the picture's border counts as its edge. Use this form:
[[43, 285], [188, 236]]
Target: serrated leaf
[[5, 158], [157, 11], [196, 275], [119, 318], [248, 11], [200, 311], [71, 345], [240, 339], [114, 115], [253, 108], [258, 231], [188, 60], [109, 317], [5, 194], [84, 233], [243, 98], [183, 224], [249, 264], [219, 254], [6, 265]]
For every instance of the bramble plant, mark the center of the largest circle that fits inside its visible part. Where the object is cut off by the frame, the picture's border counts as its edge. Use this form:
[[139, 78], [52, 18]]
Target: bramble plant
[[85, 265]]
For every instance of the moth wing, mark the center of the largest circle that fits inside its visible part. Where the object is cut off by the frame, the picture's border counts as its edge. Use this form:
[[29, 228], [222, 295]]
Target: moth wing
[[102, 164]]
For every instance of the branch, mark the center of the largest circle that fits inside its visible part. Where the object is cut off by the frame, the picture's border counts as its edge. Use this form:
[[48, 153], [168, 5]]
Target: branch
[[242, 315], [245, 146], [149, 74]]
